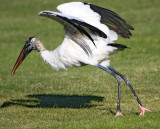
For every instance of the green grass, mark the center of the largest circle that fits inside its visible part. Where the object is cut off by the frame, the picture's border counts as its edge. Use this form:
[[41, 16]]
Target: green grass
[[85, 97]]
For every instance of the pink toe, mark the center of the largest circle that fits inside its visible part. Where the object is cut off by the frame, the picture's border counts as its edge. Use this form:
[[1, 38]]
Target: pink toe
[[143, 110], [118, 114]]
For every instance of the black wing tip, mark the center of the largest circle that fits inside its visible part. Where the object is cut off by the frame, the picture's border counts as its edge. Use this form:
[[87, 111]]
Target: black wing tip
[[42, 13], [130, 27], [123, 34], [122, 28]]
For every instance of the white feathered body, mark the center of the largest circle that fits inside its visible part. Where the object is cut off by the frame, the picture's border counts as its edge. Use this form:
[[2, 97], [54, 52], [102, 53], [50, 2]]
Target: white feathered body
[[71, 54]]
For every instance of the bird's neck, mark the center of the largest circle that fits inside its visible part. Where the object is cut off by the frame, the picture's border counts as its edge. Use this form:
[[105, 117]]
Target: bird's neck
[[52, 58], [40, 47]]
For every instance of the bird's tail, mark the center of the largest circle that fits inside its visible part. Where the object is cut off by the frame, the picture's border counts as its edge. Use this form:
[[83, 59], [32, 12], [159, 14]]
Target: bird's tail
[[119, 46]]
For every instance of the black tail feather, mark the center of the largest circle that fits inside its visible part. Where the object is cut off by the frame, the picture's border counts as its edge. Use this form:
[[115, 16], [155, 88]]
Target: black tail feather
[[119, 46]]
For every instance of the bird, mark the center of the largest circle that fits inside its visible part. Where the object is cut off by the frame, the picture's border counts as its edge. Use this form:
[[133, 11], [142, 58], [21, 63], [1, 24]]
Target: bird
[[90, 35]]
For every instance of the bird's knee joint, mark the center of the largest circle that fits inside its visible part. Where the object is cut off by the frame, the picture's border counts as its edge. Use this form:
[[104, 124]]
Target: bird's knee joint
[[118, 79], [127, 82]]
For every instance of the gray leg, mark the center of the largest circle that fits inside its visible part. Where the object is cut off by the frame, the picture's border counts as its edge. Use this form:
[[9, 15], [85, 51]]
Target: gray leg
[[118, 113], [127, 82], [130, 86]]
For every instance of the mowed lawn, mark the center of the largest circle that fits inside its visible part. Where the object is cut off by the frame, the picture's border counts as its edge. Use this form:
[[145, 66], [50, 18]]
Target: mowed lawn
[[80, 98]]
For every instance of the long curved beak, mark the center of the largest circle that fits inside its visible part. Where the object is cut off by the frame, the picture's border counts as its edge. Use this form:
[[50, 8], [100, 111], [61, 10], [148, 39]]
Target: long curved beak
[[20, 59]]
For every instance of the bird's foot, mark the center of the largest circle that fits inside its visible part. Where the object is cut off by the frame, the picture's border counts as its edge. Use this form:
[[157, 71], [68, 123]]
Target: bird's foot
[[118, 113], [143, 110]]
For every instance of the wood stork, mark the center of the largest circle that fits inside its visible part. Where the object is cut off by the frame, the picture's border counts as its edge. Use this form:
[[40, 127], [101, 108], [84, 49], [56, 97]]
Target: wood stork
[[90, 32]]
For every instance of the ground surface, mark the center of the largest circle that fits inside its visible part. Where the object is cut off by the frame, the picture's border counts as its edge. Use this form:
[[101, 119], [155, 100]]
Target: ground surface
[[86, 97]]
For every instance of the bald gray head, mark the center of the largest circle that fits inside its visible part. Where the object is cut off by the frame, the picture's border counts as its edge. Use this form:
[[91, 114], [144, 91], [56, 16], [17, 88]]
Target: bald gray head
[[32, 43]]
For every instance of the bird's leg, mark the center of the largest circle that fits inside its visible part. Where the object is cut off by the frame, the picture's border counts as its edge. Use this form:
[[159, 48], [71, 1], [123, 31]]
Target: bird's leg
[[118, 113], [130, 86]]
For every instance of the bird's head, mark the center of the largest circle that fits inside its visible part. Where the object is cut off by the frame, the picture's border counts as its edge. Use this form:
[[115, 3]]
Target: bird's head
[[32, 43]]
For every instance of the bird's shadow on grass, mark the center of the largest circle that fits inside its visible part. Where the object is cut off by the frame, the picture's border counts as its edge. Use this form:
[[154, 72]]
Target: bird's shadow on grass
[[55, 101], [60, 101]]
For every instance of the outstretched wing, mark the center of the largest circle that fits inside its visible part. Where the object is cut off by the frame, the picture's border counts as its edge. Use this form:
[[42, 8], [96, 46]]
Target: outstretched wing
[[113, 21], [97, 16], [78, 24]]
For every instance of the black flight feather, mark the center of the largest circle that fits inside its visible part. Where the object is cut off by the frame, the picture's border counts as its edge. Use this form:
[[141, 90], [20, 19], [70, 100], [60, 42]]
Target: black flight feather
[[113, 21], [82, 30], [76, 23]]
